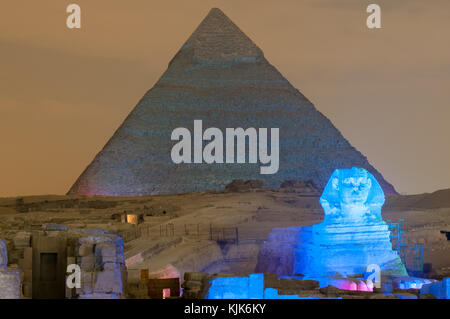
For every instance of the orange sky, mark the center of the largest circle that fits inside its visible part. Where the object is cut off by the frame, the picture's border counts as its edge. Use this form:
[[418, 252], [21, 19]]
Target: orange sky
[[64, 92]]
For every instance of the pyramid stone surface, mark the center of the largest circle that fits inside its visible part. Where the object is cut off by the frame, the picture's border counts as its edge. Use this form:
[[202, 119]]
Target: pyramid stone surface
[[221, 77]]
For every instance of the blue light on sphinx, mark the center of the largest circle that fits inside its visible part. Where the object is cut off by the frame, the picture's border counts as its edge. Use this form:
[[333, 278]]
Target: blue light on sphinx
[[340, 251], [352, 235]]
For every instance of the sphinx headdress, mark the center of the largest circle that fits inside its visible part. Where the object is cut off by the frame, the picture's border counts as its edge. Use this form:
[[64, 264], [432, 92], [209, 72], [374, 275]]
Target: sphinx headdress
[[332, 198]]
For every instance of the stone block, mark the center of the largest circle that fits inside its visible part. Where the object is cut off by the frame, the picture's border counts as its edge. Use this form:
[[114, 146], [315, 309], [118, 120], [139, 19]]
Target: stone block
[[53, 227], [69, 293], [86, 250], [71, 260], [297, 284], [111, 266], [28, 258], [106, 259], [105, 250], [192, 285], [21, 263], [22, 240], [10, 285], [27, 289], [192, 294], [195, 276], [109, 282], [28, 276], [119, 249], [87, 283], [3, 255], [88, 263]]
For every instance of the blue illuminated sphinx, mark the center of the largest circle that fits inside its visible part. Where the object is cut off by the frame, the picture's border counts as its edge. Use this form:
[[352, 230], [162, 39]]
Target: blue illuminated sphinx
[[352, 196], [351, 237]]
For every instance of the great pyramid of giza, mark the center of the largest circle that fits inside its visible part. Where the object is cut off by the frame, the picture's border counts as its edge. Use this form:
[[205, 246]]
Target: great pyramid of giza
[[221, 77]]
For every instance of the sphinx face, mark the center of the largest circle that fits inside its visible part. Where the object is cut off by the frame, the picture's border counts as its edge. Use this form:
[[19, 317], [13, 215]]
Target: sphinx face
[[352, 195], [353, 187]]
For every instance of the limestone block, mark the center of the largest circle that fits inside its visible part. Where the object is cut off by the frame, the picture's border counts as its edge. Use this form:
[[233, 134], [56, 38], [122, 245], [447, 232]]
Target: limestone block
[[27, 289], [295, 284], [87, 283], [119, 248], [192, 294], [111, 266], [86, 250], [195, 276], [331, 291], [28, 276], [71, 260], [53, 227], [3, 255], [21, 263], [69, 293], [105, 250], [106, 259], [119, 259], [88, 263], [192, 285], [109, 282], [22, 240], [28, 258], [10, 284]]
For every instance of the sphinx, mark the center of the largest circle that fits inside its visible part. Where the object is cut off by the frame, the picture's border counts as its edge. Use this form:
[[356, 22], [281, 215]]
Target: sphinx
[[351, 238]]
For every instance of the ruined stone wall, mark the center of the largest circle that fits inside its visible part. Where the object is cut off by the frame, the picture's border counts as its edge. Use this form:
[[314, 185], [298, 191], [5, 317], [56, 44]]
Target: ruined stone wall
[[24, 251], [10, 284], [3, 255], [102, 267]]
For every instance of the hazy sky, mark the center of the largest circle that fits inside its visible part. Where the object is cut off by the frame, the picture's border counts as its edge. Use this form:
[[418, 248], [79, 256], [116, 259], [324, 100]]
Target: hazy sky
[[64, 92]]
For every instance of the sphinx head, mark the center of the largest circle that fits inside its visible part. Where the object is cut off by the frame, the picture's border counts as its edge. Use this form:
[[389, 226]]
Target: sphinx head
[[353, 186], [352, 192]]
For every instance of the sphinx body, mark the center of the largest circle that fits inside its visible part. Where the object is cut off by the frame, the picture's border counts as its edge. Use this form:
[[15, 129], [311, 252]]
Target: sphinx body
[[351, 237]]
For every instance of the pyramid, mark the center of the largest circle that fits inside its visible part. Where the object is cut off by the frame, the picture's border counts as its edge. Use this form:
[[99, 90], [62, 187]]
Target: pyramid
[[221, 77]]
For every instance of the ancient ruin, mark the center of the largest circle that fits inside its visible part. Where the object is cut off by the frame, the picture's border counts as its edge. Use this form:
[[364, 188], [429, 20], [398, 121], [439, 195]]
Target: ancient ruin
[[42, 259], [219, 76]]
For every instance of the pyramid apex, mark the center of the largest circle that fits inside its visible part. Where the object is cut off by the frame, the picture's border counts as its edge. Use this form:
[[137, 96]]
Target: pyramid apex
[[217, 38], [216, 10]]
